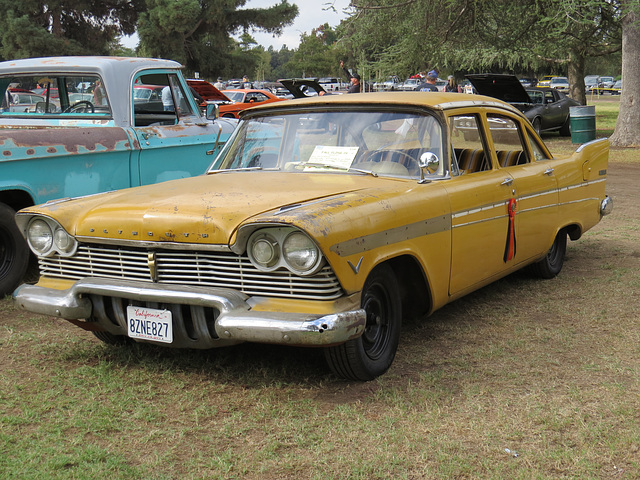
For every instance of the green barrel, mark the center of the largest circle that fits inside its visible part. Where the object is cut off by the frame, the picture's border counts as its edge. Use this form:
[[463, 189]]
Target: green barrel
[[583, 123]]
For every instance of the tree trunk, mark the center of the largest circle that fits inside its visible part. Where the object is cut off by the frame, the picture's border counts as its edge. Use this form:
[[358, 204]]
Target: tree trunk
[[627, 131], [575, 69]]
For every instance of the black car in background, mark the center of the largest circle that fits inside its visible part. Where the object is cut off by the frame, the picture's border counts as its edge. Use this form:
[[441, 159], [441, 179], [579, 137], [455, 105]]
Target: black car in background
[[546, 108]]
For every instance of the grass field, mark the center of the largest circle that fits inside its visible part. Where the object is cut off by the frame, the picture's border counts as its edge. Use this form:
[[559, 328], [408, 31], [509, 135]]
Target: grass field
[[524, 379]]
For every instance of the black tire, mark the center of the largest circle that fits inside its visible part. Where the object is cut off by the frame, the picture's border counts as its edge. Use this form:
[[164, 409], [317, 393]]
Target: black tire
[[370, 355], [111, 339], [14, 252], [551, 264], [537, 126], [565, 130]]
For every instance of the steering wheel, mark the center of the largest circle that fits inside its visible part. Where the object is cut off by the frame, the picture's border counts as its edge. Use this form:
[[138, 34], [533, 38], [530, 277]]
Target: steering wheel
[[413, 165], [83, 106]]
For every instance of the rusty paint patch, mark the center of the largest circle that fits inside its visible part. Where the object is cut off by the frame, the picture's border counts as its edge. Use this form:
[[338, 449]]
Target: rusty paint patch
[[31, 151], [68, 139]]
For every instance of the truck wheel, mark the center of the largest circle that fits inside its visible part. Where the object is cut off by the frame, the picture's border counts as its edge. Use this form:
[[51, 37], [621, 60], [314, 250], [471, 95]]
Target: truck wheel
[[371, 354], [14, 252]]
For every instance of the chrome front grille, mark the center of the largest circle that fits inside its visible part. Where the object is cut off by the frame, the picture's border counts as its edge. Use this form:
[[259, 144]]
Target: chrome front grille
[[213, 269]]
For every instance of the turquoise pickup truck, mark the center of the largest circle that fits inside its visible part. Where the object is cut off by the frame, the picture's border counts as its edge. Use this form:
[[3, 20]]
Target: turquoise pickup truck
[[74, 126]]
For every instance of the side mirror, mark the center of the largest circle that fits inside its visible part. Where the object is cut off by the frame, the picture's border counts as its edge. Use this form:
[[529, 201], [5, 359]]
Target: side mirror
[[429, 164], [213, 112]]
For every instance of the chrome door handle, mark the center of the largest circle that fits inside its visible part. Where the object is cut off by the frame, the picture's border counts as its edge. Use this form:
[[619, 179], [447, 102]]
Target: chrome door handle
[[548, 171], [507, 181]]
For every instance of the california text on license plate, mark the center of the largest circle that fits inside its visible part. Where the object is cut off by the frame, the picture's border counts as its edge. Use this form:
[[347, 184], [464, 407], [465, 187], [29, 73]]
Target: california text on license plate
[[149, 324]]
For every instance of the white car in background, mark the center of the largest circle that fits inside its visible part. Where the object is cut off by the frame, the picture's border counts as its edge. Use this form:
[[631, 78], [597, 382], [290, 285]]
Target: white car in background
[[560, 83]]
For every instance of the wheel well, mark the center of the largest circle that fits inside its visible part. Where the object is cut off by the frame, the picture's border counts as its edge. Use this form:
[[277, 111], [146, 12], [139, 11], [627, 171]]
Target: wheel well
[[16, 199], [414, 288], [574, 231]]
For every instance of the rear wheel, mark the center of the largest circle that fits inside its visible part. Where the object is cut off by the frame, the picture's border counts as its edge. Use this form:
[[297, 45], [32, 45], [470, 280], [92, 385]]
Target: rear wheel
[[537, 125], [551, 264], [370, 355], [565, 130], [14, 252]]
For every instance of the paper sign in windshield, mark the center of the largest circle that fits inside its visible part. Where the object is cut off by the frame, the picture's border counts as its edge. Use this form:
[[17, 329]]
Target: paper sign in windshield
[[339, 157]]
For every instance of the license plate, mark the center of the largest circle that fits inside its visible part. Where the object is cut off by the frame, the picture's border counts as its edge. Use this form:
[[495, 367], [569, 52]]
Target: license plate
[[149, 324]]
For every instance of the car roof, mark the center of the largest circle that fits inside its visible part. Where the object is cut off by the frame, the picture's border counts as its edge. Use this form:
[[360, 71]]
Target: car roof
[[432, 100]]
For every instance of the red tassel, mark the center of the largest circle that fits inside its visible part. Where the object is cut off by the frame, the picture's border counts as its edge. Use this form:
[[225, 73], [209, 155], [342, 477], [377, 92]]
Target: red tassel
[[510, 250]]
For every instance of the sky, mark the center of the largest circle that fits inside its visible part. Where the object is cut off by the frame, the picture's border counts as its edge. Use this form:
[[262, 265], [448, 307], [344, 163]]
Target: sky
[[311, 14]]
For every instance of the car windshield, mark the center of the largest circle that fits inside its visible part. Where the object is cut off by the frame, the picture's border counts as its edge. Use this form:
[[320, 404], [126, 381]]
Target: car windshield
[[236, 97], [357, 141]]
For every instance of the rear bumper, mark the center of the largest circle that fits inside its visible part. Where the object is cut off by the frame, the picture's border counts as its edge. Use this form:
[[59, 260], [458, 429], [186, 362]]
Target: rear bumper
[[87, 302]]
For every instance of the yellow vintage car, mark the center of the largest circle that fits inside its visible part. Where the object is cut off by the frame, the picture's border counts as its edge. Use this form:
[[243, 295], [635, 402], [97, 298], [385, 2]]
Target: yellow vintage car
[[323, 222]]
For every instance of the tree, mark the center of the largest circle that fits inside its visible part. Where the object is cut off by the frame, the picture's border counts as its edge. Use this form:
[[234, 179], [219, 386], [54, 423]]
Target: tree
[[402, 36], [315, 56], [31, 28], [627, 131], [197, 33]]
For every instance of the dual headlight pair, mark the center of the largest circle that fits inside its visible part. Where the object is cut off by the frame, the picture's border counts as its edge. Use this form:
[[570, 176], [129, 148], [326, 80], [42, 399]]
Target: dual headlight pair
[[45, 237], [271, 248], [268, 248]]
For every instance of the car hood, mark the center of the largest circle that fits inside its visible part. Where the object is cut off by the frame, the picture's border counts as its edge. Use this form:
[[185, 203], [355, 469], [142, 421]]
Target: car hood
[[295, 86], [503, 87], [205, 209]]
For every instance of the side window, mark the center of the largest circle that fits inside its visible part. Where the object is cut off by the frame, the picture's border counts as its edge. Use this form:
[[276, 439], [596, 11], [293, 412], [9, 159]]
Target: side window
[[507, 141], [538, 153], [548, 97], [466, 145], [159, 99], [60, 94]]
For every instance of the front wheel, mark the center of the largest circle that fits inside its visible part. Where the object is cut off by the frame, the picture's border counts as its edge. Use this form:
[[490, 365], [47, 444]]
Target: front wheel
[[111, 339], [565, 130], [14, 252], [370, 355], [551, 264]]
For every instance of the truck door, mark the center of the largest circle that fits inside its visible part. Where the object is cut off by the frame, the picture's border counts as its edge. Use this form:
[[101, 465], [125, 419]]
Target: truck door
[[174, 137]]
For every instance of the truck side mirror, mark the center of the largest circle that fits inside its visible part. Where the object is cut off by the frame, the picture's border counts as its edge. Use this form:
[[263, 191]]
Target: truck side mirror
[[213, 112]]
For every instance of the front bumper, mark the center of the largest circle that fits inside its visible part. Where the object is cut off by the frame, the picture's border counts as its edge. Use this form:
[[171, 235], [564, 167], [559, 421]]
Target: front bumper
[[99, 304]]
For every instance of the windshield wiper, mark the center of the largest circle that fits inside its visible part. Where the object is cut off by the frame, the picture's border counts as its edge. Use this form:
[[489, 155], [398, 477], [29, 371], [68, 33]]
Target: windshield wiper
[[243, 169], [337, 167]]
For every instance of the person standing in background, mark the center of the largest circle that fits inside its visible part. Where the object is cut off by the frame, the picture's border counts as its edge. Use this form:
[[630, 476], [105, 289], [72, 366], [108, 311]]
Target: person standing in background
[[354, 79]]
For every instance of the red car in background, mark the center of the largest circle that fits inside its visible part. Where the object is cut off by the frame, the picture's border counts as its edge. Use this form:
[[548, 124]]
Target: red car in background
[[231, 102], [245, 98]]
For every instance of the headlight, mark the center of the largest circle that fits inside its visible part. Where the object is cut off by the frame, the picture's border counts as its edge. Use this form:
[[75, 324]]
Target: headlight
[[40, 236], [65, 243], [300, 252], [284, 247], [45, 237], [264, 250]]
